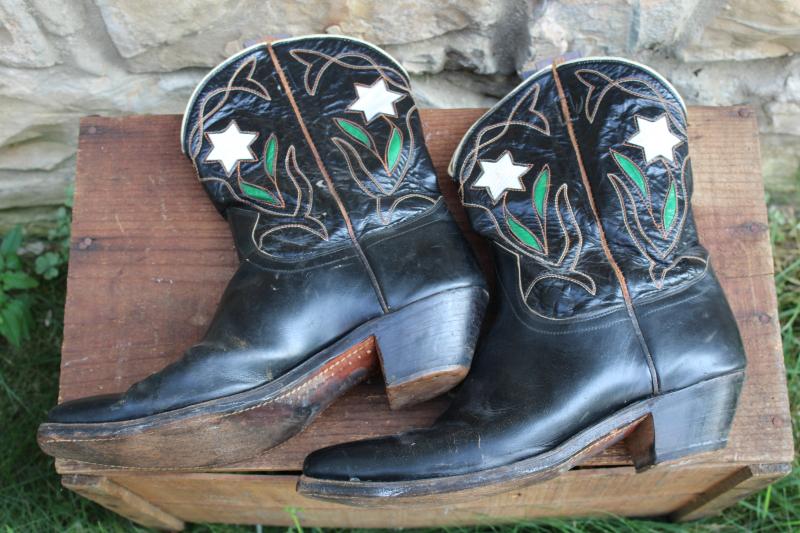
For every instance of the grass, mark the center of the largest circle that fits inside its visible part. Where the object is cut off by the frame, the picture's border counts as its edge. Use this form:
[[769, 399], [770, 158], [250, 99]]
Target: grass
[[32, 500]]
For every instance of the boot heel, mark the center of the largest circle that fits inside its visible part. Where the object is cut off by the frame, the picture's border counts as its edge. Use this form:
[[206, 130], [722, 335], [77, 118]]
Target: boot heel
[[426, 348], [692, 420]]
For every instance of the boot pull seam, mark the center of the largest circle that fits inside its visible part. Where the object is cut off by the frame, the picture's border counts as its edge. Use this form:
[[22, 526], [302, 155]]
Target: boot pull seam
[[604, 244], [328, 181]]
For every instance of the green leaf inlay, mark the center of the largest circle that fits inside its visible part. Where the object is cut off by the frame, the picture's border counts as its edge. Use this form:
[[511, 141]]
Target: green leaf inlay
[[271, 159], [355, 131], [632, 171], [540, 190], [670, 207], [393, 148], [258, 193], [523, 234]]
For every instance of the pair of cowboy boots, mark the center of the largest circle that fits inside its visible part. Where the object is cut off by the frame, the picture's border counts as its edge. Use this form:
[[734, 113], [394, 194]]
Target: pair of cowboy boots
[[610, 323]]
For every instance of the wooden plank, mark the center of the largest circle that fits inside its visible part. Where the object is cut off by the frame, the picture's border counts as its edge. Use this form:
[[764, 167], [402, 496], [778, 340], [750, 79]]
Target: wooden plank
[[739, 485], [122, 501], [150, 257], [271, 500]]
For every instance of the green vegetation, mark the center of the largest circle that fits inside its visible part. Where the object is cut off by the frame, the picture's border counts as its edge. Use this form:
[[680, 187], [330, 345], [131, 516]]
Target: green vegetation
[[32, 500]]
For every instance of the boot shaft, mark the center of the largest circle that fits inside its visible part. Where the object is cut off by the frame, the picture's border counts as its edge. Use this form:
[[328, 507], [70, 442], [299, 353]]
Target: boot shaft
[[583, 173], [307, 144]]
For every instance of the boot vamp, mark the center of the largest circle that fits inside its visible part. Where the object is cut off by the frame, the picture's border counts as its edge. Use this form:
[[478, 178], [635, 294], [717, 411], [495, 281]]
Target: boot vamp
[[268, 322], [442, 450], [534, 384], [104, 407]]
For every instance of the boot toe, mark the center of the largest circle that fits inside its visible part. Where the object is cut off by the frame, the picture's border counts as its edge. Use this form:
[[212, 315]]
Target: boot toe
[[362, 460], [105, 408], [415, 455]]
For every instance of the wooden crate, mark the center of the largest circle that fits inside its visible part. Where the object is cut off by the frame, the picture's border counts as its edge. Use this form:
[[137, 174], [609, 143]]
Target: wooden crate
[[150, 257]]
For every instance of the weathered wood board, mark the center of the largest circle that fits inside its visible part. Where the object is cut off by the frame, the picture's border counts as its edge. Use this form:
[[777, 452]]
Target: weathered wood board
[[150, 258]]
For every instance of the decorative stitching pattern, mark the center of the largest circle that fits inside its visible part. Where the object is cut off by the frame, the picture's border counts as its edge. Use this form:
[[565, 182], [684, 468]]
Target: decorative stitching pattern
[[367, 94], [230, 87], [471, 158], [525, 293], [636, 118], [270, 163], [670, 232], [681, 301], [624, 84], [389, 159], [327, 178], [561, 206], [266, 200], [311, 88], [539, 216], [513, 232], [645, 196], [391, 156], [662, 277], [637, 208]]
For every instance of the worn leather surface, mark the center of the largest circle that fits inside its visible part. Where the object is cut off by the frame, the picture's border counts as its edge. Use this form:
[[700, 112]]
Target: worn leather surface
[[564, 350], [415, 260], [691, 333], [304, 282], [533, 384]]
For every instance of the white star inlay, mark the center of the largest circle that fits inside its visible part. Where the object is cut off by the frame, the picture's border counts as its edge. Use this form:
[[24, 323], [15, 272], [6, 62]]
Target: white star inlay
[[500, 176], [375, 99], [230, 146], [655, 138]]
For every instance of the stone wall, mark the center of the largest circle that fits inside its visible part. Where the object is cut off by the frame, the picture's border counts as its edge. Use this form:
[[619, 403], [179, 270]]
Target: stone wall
[[60, 60]]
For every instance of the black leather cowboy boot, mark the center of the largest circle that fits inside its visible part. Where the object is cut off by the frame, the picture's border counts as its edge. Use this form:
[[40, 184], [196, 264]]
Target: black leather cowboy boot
[[313, 151], [611, 323]]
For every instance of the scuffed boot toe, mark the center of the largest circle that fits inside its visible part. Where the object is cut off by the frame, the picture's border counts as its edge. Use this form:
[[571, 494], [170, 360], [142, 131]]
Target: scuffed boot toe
[[367, 460], [103, 408]]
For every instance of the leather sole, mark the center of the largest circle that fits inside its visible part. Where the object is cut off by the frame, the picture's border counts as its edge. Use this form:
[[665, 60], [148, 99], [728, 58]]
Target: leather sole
[[425, 349], [673, 425]]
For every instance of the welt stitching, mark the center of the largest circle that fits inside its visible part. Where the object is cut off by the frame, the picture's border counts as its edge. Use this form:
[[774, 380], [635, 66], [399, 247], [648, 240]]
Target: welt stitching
[[143, 470], [326, 176], [313, 381]]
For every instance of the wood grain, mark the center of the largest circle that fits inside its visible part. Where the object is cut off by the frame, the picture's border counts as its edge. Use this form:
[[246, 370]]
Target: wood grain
[[113, 496], [150, 258], [740, 484], [247, 498]]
